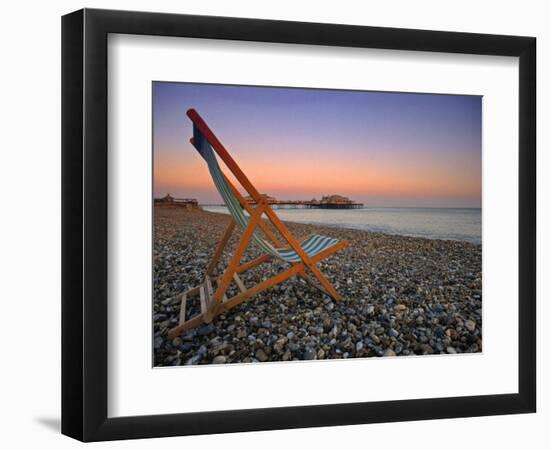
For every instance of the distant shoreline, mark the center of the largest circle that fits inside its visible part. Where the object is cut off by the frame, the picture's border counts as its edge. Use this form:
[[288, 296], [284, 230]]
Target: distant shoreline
[[348, 226]]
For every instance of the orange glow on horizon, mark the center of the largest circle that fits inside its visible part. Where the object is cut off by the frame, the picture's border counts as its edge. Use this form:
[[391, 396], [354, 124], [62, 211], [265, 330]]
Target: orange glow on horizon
[[304, 177]]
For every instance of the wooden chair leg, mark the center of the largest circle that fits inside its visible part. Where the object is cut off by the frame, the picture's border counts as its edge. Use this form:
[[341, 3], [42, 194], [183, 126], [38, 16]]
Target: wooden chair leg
[[253, 263], [185, 326], [325, 283], [226, 304], [279, 278], [260, 260], [219, 249], [312, 283], [235, 261]]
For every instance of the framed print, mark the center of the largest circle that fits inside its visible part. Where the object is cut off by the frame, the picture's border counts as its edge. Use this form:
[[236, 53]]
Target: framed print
[[274, 224]]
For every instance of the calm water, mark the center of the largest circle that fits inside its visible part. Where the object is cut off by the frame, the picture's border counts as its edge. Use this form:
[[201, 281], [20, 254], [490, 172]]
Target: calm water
[[463, 224]]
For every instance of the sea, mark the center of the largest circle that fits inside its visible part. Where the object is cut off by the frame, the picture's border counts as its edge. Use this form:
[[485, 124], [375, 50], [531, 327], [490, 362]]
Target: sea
[[462, 224]]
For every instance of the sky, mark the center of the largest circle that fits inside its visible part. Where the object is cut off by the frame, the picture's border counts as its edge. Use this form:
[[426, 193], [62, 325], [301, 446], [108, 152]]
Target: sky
[[378, 148]]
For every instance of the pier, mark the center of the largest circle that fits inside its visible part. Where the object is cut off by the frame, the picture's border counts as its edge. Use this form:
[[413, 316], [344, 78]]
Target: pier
[[172, 202], [317, 205], [327, 202]]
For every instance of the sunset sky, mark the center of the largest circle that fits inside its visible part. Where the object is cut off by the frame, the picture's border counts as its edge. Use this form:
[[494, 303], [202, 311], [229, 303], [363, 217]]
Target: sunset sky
[[379, 148]]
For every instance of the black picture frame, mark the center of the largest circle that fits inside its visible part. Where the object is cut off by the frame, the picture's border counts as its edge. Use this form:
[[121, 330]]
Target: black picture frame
[[84, 224]]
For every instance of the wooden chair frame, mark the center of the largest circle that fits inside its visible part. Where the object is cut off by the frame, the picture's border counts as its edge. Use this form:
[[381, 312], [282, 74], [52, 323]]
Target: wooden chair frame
[[214, 302]]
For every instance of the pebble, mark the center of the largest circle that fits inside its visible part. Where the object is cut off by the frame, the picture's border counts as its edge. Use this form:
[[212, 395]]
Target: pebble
[[309, 354], [205, 330], [279, 345], [193, 360], [186, 346], [261, 356], [451, 333], [470, 325]]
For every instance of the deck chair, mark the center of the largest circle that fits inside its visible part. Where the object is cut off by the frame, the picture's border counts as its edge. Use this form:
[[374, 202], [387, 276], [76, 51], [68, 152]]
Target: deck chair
[[302, 255]]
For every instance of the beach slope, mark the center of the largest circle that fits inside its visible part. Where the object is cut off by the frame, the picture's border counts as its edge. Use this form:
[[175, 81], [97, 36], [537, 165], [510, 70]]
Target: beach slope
[[401, 296]]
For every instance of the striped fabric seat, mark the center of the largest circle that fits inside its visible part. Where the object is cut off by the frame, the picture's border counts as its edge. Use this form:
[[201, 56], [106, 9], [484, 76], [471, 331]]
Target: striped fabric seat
[[312, 246]]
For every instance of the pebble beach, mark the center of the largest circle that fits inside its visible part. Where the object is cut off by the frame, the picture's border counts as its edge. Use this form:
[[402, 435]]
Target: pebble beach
[[402, 296]]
